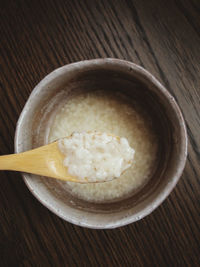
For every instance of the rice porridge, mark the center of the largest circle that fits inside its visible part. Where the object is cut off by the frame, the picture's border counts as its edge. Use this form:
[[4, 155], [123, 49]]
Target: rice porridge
[[110, 113], [94, 156]]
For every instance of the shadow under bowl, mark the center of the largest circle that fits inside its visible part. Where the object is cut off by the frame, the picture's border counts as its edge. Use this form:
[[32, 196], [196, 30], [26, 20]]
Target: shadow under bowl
[[113, 75]]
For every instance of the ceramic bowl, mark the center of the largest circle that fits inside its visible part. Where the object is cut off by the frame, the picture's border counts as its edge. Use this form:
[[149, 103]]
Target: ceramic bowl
[[138, 84]]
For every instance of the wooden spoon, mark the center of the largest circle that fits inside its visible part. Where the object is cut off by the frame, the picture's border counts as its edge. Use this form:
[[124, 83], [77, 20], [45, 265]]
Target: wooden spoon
[[46, 161]]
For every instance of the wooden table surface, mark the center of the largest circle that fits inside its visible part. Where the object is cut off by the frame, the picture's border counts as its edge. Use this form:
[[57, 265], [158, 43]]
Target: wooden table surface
[[36, 37]]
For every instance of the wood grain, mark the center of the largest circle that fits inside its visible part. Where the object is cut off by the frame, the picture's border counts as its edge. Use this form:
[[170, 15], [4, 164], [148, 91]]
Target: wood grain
[[39, 36]]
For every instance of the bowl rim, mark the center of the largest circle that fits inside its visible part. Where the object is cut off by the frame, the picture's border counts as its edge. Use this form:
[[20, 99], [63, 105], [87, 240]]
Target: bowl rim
[[163, 194]]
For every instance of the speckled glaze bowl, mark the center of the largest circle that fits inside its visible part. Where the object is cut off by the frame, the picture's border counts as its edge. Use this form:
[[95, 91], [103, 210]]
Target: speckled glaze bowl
[[138, 84]]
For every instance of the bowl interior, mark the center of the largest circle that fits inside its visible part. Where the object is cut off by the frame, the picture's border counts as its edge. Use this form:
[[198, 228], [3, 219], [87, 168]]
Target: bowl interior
[[70, 80]]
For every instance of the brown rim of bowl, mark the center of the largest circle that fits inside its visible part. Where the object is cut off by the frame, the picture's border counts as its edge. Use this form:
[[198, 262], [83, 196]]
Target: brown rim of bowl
[[183, 144]]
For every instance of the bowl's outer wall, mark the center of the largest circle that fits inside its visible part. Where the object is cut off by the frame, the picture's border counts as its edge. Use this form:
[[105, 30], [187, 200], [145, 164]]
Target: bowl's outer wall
[[37, 112]]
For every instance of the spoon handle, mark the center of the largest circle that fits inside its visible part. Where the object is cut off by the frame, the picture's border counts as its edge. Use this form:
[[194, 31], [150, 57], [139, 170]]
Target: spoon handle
[[10, 162], [44, 161], [34, 161]]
